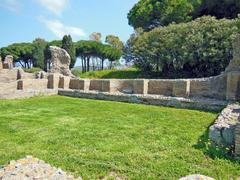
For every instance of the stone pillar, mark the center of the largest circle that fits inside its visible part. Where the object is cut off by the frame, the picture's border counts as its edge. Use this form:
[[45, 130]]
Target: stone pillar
[[64, 82], [86, 85], [53, 81], [140, 86], [20, 85], [76, 84], [114, 85], [237, 141], [20, 74], [105, 85], [233, 86], [234, 64], [8, 62]]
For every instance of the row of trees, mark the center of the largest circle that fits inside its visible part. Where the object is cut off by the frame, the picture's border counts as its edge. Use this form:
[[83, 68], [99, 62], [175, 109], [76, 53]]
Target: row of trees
[[94, 52], [149, 14], [198, 48]]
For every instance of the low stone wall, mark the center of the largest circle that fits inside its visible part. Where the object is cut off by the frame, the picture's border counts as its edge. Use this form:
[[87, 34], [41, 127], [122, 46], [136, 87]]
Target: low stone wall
[[237, 140], [37, 84], [19, 94], [222, 132], [202, 104], [222, 87]]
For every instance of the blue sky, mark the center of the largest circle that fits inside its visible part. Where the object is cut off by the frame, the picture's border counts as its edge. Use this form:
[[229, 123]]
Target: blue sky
[[25, 20]]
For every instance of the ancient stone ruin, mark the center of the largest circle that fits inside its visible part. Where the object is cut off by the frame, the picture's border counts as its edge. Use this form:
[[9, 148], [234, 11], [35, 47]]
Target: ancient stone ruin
[[222, 132], [234, 64], [8, 62], [213, 93], [60, 61]]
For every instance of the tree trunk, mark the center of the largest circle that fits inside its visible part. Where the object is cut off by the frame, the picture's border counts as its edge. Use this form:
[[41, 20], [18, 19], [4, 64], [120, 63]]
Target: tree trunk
[[21, 64], [85, 65], [93, 63], [88, 64], [82, 66], [111, 64], [102, 64]]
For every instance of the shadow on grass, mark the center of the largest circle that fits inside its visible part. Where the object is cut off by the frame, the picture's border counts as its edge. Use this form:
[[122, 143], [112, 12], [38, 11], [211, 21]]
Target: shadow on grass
[[214, 151]]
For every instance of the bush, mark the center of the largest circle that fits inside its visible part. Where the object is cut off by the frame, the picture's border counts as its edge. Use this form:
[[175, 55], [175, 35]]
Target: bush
[[32, 70], [130, 73], [199, 48]]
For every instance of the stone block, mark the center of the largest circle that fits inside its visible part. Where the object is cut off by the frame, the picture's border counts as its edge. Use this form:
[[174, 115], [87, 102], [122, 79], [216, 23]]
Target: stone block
[[53, 81], [20, 85], [76, 84], [200, 88], [86, 84], [64, 82], [140, 86], [32, 84], [219, 86], [233, 83], [126, 86], [215, 135], [160, 87], [234, 64], [114, 85], [100, 85], [181, 88], [228, 135]]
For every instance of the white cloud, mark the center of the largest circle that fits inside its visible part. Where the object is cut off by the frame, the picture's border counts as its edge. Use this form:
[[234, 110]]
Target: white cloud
[[54, 6], [59, 29], [11, 5]]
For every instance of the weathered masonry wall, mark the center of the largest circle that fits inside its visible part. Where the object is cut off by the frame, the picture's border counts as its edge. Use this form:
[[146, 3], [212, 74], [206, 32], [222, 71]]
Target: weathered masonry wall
[[222, 87], [201, 104], [237, 141]]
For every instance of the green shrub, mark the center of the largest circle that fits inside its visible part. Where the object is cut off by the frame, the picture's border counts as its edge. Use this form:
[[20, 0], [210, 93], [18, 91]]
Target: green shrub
[[130, 73], [33, 70], [196, 49]]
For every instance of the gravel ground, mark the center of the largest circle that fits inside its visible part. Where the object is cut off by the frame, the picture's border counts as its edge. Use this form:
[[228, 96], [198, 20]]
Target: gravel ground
[[31, 168]]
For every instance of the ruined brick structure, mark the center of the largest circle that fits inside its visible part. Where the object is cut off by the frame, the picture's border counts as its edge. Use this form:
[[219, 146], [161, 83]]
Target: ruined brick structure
[[205, 93]]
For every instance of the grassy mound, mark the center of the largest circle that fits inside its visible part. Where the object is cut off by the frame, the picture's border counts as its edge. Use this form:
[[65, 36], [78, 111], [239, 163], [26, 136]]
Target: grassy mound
[[95, 138]]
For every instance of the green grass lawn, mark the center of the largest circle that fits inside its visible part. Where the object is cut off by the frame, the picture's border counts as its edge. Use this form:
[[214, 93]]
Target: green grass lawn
[[93, 138], [110, 74]]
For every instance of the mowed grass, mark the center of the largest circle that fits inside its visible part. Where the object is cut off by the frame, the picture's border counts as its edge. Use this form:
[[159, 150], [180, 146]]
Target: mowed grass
[[93, 138]]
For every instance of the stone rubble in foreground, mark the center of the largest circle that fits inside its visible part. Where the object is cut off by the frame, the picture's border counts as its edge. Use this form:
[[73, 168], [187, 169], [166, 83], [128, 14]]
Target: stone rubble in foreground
[[222, 132], [31, 168]]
